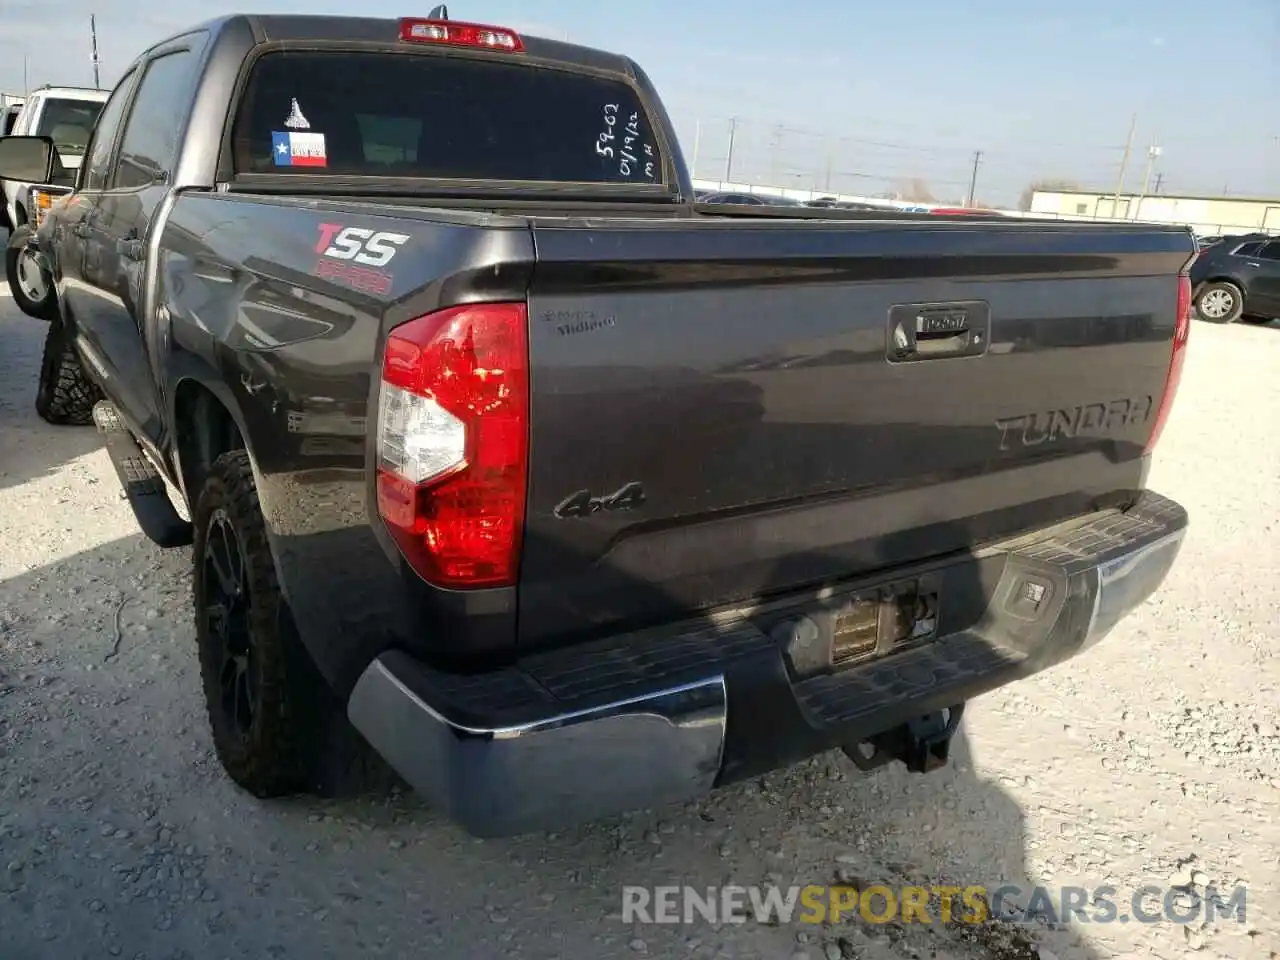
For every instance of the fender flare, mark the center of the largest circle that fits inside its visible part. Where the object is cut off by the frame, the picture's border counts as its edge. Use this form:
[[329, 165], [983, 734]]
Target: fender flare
[[183, 366]]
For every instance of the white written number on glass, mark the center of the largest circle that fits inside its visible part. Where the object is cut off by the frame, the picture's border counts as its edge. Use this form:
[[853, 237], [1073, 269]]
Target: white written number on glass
[[627, 159]]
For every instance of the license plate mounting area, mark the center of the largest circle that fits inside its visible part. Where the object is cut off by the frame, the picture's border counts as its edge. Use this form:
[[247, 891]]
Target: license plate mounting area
[[841, 629]]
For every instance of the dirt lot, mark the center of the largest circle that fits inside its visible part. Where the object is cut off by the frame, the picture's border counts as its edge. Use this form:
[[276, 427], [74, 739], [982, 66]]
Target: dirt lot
[[1154, 761]]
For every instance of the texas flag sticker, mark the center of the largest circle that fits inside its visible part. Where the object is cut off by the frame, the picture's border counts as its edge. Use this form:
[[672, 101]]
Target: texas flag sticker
[[296, 149]]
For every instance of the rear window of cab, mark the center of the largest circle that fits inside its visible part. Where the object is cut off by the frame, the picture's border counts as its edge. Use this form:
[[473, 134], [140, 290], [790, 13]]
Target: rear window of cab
[[443, 117]]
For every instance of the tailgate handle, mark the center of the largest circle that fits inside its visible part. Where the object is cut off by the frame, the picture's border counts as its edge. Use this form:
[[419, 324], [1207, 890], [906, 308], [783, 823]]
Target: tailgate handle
[[933, 331], [937, 345]]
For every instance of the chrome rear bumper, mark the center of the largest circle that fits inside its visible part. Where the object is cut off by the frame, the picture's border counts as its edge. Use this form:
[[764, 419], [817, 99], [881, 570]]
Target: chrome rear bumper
[[646, 719], [661, 747]]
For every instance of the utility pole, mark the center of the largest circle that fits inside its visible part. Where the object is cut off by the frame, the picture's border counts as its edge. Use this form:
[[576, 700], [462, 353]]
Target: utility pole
[[728, 158], [973, 179], [697, 143], [1159, 180], [1153, 154], [93, 37], [26, 75], [826, 180], [1124, 165]]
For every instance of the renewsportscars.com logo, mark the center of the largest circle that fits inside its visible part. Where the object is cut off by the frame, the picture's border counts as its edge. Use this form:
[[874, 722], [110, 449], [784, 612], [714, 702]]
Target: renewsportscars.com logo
[[974, 904]]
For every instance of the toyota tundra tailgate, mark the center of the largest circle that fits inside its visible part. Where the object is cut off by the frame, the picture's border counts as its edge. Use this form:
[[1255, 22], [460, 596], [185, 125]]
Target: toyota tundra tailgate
[[732, 408]]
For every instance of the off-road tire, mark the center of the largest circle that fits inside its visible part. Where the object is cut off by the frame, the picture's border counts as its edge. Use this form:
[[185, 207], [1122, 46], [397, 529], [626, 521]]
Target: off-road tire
[[1221, 287], [64, 393], [276, 756], [46, 309]]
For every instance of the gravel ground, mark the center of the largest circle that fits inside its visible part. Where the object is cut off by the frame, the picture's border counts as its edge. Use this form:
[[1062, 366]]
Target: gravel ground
[[1153, 761]]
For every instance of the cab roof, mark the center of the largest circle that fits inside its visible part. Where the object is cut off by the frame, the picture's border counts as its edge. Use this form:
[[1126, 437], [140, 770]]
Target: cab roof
[[301, 28], [71, 93]]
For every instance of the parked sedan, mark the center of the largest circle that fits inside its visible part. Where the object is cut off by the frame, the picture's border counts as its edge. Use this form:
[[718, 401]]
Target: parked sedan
[[831, 203], [1238, 278], [749, 199]]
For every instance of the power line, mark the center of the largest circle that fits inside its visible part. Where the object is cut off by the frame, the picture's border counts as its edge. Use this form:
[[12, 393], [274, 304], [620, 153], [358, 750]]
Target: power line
[[897, 171], [883, 144], [775, 144], [934, 131], [757, 151], [890, 177], [761, 147]]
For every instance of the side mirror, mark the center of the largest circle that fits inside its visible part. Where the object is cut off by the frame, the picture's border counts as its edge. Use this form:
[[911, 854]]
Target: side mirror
[[27, 159]]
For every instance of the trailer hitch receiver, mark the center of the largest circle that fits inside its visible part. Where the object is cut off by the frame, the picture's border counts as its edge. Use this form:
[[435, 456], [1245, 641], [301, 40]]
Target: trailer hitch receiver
[[922, 744]]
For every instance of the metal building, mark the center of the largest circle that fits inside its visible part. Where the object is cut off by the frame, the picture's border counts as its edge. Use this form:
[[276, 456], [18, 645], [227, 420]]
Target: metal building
[[1205, 215]]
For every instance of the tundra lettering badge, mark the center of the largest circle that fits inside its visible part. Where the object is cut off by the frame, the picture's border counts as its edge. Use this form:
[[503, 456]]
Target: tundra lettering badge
[[1092, 419]]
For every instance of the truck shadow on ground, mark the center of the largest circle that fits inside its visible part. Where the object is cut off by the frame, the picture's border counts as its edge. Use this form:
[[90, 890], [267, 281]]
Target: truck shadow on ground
[[29, 447], [123, 741]]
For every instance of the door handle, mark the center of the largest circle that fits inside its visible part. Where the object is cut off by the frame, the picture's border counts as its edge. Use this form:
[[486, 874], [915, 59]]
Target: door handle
[[81, 230], [1250, 263], [130, 248]]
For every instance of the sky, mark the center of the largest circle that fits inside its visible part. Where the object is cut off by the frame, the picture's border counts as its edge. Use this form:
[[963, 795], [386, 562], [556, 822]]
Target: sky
[[857, 97]]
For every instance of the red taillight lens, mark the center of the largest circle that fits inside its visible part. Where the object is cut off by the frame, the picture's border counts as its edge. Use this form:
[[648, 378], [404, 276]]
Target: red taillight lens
[[453, 440], [414, 30], [1181, 331]]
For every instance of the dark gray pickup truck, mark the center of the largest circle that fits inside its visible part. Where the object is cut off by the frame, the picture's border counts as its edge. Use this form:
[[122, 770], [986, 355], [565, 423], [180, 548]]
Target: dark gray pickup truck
[[568, 493]]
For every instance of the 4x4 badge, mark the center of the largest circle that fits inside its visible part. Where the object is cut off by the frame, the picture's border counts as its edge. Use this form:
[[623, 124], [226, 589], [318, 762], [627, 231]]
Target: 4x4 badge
[[583, 504]]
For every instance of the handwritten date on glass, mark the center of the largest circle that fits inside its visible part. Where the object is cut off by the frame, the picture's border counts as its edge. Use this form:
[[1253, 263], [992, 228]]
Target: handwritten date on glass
[[628, 147]]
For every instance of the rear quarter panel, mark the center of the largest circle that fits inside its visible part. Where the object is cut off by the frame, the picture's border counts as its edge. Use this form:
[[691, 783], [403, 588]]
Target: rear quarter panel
[[290, 340]]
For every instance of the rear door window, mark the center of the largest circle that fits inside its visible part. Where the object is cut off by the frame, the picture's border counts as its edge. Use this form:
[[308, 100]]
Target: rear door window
[[154, 128], [97, 166], [440, 116]]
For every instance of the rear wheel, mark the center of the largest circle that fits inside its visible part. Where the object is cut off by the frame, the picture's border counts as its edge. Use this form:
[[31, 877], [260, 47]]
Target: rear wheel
[[1220, 302], [64, 393], [260, 692]]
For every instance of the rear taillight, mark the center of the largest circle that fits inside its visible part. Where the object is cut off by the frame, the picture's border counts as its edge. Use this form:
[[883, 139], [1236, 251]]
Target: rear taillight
[[453, 441], [1181, 331]]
